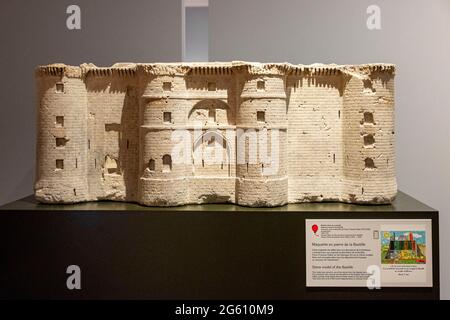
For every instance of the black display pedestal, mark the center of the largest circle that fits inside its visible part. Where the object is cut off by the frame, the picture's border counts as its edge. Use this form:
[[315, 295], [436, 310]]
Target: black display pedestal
[[190, 252]]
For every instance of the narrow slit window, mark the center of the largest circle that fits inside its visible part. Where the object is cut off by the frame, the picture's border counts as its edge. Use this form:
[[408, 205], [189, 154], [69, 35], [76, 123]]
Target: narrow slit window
[[212, 115], [167, 163], [151, 165]]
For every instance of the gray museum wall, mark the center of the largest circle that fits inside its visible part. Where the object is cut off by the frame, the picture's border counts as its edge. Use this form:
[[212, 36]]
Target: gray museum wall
[[196, 34], [414, 35], [34, 33]]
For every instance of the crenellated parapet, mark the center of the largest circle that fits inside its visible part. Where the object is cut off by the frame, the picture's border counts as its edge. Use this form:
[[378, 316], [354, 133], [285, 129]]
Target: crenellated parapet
[[58, 70], [216, 68], [126, 70]]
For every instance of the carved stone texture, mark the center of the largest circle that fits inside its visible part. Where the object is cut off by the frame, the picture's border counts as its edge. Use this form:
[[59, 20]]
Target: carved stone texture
[[253, 134]]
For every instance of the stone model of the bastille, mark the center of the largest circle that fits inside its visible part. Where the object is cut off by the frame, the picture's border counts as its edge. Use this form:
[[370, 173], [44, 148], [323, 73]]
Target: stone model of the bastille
[[114, 133]]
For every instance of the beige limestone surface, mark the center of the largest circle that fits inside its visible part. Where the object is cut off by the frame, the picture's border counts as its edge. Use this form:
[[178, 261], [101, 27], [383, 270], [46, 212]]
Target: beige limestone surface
[[253, 134]]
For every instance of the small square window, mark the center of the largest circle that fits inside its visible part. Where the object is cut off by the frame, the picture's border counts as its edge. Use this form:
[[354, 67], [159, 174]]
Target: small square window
[[60, 142], [260, 85], [260, 116], [59, 164], [368, 117], [59, 87], [369, 140], [59, 121], [167, 86], [212, 86], [167, 116]]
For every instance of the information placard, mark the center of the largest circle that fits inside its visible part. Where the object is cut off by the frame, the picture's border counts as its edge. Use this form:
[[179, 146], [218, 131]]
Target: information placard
[[370, 253]]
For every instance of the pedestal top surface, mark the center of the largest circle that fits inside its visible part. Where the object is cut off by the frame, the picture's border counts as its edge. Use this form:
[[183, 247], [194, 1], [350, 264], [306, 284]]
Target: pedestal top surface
[[402, 203]]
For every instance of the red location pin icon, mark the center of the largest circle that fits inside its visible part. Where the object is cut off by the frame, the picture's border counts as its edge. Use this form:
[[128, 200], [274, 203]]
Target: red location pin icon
[[315, 228]]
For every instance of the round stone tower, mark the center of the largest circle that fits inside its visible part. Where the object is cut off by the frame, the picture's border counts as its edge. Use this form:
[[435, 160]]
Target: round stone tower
[[163, 111], [61, 174], [368, 132], [261, 130]]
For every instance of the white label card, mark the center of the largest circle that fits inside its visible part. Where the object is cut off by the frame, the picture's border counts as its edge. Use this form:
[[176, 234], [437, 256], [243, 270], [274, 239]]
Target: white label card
[[370, 253]]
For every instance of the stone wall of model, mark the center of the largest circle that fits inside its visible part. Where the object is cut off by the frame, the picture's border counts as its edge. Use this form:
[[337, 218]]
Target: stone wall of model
[[110, 133]]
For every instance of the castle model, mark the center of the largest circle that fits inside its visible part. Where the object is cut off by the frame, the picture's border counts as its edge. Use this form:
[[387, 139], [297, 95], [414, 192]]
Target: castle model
[[252, 134]]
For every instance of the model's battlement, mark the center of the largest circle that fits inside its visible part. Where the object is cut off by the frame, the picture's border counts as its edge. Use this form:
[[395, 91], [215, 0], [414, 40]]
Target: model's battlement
[[252, 133], [210, 68]]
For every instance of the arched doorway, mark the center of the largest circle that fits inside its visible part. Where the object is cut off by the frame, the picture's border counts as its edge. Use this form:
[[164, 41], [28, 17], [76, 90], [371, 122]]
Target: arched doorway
[[214, 149]]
